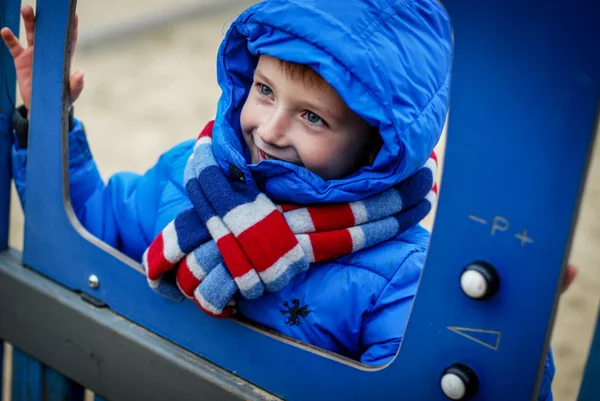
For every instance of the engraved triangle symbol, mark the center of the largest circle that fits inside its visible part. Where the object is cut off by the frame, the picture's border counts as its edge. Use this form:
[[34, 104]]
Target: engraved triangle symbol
[[487, 338]]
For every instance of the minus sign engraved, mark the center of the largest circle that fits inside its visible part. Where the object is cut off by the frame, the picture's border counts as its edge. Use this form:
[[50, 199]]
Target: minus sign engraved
[[477, 219]]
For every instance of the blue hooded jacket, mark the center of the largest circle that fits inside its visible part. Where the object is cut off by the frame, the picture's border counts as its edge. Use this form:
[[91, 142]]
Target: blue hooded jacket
[[389, 60]]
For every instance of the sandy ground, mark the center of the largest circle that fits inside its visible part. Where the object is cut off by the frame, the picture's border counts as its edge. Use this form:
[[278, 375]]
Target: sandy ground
[[144, 94]]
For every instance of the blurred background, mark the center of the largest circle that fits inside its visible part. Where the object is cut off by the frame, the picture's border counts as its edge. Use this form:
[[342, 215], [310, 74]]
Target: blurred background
[[150, 83]]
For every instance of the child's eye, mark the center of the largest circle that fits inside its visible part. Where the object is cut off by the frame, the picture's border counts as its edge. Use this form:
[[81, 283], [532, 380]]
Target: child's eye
[[265, 90], [314, 118]]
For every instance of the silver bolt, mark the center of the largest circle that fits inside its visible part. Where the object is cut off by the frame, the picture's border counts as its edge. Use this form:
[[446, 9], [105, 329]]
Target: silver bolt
[[93, 281]]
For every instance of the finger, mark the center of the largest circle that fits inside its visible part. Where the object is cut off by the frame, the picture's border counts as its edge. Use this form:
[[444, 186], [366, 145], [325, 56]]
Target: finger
[[75, 85], [570, 275], [13, 44], [75, 35], [29, 21]]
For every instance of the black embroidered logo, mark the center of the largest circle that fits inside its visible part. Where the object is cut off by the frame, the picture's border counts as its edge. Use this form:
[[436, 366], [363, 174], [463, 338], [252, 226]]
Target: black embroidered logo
[[295, 311]]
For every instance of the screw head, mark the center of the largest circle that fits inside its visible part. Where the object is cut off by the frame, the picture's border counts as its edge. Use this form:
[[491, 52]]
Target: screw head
[[93, 281]]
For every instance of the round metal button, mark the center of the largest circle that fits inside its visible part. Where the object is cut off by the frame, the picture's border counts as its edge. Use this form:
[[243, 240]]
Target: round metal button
[[474, 284], [453, 386], [479, 280], [459, 382]]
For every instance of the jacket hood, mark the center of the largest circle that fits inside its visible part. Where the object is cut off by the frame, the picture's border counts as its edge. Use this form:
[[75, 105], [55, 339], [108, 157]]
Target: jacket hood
[[389, 60]]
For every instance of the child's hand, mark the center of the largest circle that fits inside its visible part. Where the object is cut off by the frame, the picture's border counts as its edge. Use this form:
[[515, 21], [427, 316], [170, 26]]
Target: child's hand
[[23, 57], [570, 275]]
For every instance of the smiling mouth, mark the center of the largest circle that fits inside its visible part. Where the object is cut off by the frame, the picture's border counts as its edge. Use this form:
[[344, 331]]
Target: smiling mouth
[[262, 155]]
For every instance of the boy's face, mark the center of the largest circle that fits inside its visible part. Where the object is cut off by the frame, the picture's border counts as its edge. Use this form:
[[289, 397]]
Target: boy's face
[[302, 123]]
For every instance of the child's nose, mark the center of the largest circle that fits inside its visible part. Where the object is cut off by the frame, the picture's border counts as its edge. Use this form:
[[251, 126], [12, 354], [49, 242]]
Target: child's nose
[[274, 130]]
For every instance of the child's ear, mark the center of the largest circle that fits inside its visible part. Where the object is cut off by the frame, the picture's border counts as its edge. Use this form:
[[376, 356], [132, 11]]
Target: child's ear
[[373, 154], [375, 146]]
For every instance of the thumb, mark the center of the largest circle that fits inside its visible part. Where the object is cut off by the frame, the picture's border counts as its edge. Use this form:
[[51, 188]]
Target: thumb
[[75, 85], [570, 275]]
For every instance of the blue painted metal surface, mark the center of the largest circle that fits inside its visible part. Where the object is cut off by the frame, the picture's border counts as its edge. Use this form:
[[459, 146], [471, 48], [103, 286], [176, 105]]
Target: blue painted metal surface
[[60, 388], [32, 381], [522, 121], [590, 385], [9, 16], [27, 378], [508, 190]]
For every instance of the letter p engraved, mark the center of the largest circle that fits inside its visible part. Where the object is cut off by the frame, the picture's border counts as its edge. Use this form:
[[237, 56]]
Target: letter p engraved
[[499, 224]]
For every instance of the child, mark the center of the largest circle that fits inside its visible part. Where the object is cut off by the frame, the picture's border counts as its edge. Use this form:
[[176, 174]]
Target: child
[[323, 104]]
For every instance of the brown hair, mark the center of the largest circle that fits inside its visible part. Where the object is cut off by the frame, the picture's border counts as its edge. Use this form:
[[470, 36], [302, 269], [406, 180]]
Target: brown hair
[[300, 72]]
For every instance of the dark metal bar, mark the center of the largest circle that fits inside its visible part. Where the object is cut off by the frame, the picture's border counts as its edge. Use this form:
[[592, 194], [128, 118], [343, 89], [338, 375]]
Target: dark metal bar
[[100, 349]]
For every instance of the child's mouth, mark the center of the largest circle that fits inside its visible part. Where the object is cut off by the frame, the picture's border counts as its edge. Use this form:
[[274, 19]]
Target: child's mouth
[[264, 156]]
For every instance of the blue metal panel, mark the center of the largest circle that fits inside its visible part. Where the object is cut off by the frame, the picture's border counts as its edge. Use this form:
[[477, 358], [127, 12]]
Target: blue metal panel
[[522, 122], [98, 398], [9, 16], [590, 386], [27, 378], [61, 388], [522, 113]]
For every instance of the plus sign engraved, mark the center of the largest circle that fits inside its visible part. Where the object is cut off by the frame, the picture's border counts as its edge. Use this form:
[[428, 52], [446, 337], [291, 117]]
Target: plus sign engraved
[[524, 238]]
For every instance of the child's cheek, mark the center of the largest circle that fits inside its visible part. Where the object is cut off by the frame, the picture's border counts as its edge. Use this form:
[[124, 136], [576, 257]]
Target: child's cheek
[[322, 159], [245, 117]]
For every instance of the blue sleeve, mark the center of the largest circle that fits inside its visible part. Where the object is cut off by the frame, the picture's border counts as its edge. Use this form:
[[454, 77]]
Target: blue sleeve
[[383, 326], [545, 393], [123, 212], [81, 165]]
